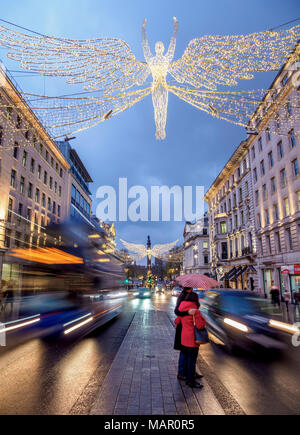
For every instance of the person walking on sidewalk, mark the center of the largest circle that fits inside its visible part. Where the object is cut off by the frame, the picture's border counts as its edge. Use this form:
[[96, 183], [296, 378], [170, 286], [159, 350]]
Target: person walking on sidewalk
[[287, 298], [274, 293], [188, 346], [177, 344]]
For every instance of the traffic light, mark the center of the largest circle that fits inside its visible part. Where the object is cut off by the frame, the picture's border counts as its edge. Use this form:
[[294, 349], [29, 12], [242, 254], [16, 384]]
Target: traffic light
[[126, 281]]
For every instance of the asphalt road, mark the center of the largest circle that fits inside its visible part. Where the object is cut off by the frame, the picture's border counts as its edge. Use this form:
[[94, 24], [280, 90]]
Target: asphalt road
[[40, 377]]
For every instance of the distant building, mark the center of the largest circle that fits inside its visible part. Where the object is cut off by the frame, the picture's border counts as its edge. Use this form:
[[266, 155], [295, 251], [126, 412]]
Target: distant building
[[196, 247], [80, 199], [34, 179]]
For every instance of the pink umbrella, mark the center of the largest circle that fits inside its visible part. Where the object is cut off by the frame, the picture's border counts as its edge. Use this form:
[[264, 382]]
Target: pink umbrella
[[197, 280]]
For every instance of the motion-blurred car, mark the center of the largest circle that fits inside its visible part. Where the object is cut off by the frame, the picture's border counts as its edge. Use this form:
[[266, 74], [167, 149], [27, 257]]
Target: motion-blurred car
[[142, 293], [160, 289], [176, 291], [242, 319]]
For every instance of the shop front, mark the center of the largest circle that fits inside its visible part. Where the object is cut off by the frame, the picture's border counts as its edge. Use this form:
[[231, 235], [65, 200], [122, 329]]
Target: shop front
[[291, 274]]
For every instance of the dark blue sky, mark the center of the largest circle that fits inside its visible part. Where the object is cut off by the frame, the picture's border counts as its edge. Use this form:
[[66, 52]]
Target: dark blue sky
[[197, 146]]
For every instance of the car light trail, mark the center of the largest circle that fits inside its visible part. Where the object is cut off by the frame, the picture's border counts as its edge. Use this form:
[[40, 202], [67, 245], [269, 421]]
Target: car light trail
[[79, 325], [236, 324], [284, 326], [21, 325], [76, 320]]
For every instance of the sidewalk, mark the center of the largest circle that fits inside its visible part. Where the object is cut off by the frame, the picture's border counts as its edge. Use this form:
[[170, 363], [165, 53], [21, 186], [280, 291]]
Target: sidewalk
[[142, 378]]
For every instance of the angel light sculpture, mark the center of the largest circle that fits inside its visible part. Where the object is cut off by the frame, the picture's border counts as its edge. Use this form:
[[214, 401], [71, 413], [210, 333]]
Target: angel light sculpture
[[141, 251], [108, 65]]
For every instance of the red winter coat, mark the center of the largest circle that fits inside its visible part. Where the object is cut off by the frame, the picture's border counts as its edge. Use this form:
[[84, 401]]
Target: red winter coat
[[187, 334]]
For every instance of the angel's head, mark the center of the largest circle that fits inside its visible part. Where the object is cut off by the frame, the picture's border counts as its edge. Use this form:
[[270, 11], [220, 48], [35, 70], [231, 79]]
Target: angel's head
[[159, 48]]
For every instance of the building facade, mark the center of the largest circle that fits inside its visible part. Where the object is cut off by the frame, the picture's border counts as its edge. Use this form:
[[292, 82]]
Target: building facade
[[34, 179], [231, 223], [275, 160], [79, 195], [196, 247], [254, 203]]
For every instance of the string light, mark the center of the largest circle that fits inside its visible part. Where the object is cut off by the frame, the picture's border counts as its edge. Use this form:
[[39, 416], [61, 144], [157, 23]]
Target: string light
[[108, 65], [142, 251]]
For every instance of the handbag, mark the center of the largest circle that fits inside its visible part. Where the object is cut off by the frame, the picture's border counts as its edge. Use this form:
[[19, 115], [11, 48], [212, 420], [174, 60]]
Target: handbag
[[177, 341], [201, 335]]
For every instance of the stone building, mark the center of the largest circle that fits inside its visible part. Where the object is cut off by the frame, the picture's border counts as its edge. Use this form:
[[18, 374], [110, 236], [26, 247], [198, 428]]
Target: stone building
[[196, 247], [34, 178], [275, 160], [231, 223]]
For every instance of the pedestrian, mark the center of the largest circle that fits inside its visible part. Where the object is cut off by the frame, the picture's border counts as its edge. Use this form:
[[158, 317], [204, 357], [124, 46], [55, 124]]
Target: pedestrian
[[189, 348], [287, 298], [2, 297], [177, 343], [274, 293], [297, 300]]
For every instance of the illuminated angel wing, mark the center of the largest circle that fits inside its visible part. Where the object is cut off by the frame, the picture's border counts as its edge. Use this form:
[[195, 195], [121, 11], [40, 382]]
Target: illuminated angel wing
[[139, 249], [239, 107], [159, 250], [107, 64], [63, 116], [221, 60]]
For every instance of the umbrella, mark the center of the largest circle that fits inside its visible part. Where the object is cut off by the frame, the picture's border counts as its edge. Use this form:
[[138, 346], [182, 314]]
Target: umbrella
[[197, 280]]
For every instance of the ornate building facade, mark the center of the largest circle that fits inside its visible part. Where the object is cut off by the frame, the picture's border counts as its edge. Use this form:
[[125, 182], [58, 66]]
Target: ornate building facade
[[196, 247]]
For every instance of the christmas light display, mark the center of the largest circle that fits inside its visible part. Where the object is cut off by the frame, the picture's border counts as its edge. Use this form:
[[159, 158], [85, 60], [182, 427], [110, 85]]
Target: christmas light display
[[108, 65], [142, 251]]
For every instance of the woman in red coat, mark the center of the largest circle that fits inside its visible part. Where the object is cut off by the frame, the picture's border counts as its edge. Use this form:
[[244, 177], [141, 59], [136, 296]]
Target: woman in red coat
[[189, 347]]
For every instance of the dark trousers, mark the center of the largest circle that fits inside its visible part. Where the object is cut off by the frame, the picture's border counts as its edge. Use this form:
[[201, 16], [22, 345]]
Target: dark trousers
[[181, 364], [190, 359]]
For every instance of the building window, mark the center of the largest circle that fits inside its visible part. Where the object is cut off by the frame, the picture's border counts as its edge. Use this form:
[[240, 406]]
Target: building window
[[51, 183], [54, 207], [267, 216], [260, 144], [7, 239], [269, 244], [258, 220], [10, 209], [1, 135], [223, 228], [247, 188], [242, 217], [59, 191], [24, 159], [276, 214], [205, 259], [44, 200], [256, 198], [283, 178], [32, 165], [268, 135], [292, 138], [241, 194], [298, 200], [37, 195], [61, 173], [205, 245], [29, 190], [18, 123], [16, 151], [58, 210], [289, 109], [236, 221], [39, 173], [289, 239], [265, 194], [41, 149], [9, 112], [295, 167], [280, 150], [286, 207], [52, 162], [261, 246], [47, 156], [271, 161], [13, 178], [45, 177], [273, 185], [22, 184], [49, 204], [277, 235], [262, 167], [18, 240]]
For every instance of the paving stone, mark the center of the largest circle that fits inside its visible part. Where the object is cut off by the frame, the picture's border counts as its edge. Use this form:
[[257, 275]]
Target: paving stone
[[142, 378]]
